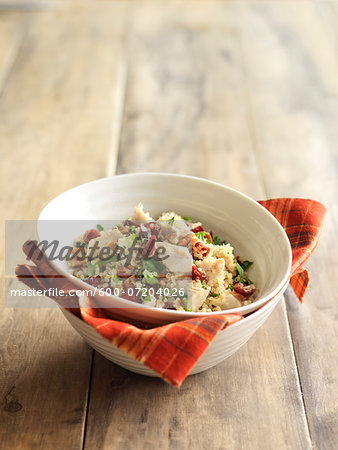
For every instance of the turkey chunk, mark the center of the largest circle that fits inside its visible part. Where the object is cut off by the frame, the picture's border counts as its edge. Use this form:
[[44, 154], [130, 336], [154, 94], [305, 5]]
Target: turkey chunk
[[213, 268], [173, 227], [177, 259], [199, 295], [106, 237], [139, 215], [226, 301]]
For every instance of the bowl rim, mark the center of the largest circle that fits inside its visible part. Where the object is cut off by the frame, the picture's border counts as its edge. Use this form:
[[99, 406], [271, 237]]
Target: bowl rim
[[242, 310], [245, 319]]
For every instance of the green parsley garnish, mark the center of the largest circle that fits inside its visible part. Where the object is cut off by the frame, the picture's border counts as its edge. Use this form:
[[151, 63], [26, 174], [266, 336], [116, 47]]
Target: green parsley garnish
[[186, 218], [185, 304], [171, 221], [213, 295], [80, 244], [133, 236], [149, 278], [217, 241], [108, 259], [231, 286], [99, 227], [90, 269], [201, 235], [152, 265], [246, 265], [240, 272]]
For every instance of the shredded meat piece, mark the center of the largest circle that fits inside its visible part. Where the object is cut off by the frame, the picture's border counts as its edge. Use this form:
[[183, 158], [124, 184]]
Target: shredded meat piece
[[197, 229], [91, 234]]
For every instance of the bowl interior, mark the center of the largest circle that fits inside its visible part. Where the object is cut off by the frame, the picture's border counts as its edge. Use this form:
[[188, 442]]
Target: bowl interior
[[252, 231]]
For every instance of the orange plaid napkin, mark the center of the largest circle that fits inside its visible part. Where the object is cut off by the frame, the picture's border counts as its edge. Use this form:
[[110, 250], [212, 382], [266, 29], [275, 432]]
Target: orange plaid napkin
[[172, 350]]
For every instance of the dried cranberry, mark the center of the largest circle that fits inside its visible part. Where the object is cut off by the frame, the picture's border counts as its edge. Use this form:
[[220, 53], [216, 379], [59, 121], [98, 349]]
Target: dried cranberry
[[203, 249], [124, 271], [149, 248], [91, 234], [130, 223], [197, 229], [246, 291], [238, 259], [93, 281], [197, 274], [129, 291]]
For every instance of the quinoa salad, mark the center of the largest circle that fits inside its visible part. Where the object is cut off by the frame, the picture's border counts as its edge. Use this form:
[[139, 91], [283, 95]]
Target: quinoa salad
[[170, 262]]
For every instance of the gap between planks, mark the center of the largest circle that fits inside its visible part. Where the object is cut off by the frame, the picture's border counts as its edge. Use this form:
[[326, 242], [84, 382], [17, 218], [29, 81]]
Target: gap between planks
[[86, 411], [259, 161]]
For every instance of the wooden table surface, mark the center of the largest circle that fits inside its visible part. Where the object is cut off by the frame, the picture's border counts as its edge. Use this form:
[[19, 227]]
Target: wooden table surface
[[241, 92]]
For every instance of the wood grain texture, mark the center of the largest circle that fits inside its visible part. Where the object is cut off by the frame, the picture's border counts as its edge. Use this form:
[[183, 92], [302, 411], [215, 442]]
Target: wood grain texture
[[187, 111], [12, 30], [244, 93], [177, 118], [56, 112], [293, 86]]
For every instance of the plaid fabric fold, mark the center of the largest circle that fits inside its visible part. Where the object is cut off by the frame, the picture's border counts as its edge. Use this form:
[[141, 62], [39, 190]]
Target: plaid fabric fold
[[173, 350], [302, 221]]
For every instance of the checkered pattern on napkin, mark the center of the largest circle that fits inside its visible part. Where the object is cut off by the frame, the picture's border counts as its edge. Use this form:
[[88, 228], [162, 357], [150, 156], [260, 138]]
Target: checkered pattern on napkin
[[172, 350], [302, 220]]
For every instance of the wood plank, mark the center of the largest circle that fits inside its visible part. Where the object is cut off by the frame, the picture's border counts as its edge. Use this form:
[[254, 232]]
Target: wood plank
[[56, 128], [292, 65], [12, 31], [187, 112]]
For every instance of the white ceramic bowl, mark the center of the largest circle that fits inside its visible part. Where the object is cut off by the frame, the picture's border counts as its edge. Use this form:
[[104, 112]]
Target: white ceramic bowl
[[255, 234], [226, 343]]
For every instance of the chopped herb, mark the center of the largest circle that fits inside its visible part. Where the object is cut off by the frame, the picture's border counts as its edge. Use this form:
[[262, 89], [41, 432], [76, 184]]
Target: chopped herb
[[194, 262], [90, 269], [246, 265], [201, 235], [186, 218], [240, 272], [217, 241], [149, 278], [204, 286], [213, 295], [171, 221], [99, 227], [81, 244], [145, 299], [133, 236], [108, 259], [231, 286], [185, 304], [154, 266]]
